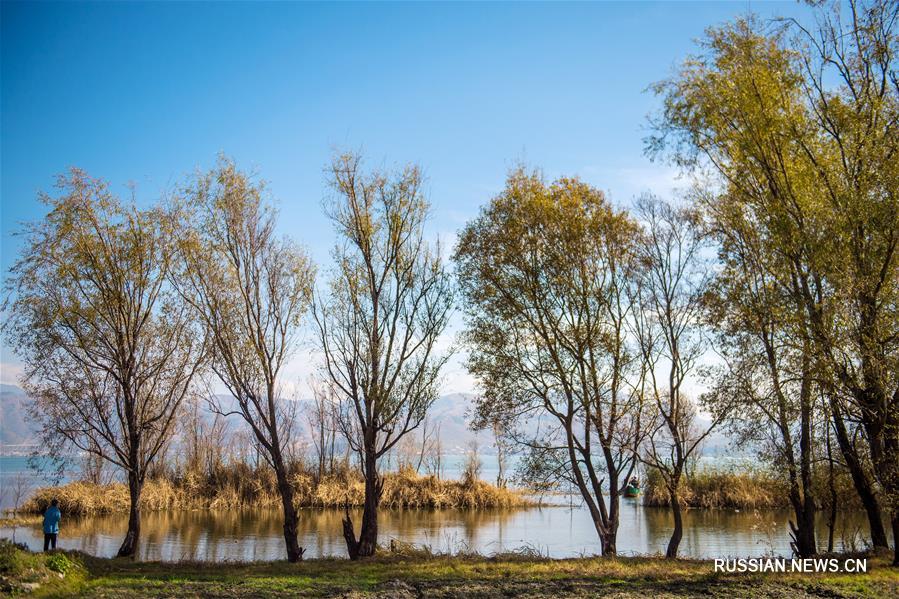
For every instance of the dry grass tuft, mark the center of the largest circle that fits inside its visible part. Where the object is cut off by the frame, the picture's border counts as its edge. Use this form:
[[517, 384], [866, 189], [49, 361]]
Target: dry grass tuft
[[240, 486]]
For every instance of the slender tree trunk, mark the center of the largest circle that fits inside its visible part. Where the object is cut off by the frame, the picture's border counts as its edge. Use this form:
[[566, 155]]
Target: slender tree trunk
[[802, 529], [678, 533], [321, 448], [832, 519], [808, 541], [799, 532], [895, 523], [368, 536], [294, 551], [860, 479], [803, 532], [875, 517], [606, 528], [331, 454], [129, 545], [610, 545], [601, 531], [367, 542]]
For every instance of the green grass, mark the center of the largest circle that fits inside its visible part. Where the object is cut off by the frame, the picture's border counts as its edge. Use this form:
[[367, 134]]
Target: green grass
[[417, 574], [50, 574]]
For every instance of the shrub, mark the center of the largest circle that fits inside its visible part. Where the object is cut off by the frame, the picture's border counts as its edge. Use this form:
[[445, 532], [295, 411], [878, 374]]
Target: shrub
[[58, 562], [12, 557]]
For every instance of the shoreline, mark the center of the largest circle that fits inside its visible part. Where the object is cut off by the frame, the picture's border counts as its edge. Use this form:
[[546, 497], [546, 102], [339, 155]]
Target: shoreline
[[408, 573]]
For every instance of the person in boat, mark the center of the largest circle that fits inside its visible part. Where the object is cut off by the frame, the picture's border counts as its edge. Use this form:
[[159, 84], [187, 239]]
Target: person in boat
[[633, 488], [51, 525]]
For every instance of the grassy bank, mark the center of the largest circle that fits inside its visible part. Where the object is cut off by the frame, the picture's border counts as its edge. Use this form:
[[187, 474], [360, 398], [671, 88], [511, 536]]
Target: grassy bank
[[409, 576], [256, 489], [23, 572]]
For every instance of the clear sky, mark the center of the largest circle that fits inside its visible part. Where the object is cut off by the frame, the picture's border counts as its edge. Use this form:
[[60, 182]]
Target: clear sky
[[148, 93]]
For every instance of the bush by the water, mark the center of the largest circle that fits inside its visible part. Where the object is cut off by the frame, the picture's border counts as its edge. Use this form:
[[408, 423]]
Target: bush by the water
[[740, 489], [753, 489], [240, 486]]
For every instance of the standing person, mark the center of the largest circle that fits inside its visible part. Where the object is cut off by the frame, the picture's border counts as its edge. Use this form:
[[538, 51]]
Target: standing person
[[51, 524]]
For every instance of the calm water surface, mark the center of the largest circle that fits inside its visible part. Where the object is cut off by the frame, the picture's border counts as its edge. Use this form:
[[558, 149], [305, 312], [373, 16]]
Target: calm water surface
[[559, 531], [554, 531]]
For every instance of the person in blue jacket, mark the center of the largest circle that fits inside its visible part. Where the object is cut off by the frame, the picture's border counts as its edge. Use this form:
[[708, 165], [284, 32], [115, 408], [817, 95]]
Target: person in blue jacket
[[51, 525]]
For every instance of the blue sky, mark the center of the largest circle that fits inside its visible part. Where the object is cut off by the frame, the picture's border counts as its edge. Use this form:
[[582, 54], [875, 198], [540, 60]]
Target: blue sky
[[148, 93]]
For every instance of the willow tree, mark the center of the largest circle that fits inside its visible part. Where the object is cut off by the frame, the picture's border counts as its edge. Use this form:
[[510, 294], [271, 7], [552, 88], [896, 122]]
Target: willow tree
[[249, 289], [110, 352], [802, 128], [768, 383], [388, 302], [546, 272]]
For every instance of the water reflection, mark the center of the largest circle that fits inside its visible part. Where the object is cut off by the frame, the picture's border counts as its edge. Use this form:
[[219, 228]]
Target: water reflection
[[555, 531]]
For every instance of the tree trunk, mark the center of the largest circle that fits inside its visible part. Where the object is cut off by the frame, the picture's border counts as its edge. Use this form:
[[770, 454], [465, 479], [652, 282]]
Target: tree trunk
[[803, 532], [294, 551], [129, 545], [610, 540], [875, 518], [895, 522], [807, 541], [678, 533], [832, 519], [860, 479], [831, 523], [802, 527], [367, 542]]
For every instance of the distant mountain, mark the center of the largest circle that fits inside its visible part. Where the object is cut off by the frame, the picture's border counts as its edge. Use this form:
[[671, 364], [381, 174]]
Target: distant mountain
[[14, 428], [450, 412]]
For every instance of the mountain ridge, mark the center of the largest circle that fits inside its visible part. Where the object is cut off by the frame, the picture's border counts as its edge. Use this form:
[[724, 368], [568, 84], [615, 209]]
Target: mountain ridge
[[450, 412]]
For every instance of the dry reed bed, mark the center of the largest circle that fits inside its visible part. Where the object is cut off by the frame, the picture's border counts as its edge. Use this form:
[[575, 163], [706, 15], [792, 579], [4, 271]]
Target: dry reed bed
[[745, 490], [228, 491], [716, 489]]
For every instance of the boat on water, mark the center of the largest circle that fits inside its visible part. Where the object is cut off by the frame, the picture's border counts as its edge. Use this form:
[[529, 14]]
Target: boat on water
[[632, 489]]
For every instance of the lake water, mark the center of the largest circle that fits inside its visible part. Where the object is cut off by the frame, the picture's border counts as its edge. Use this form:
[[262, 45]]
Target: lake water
[[556, 531]]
